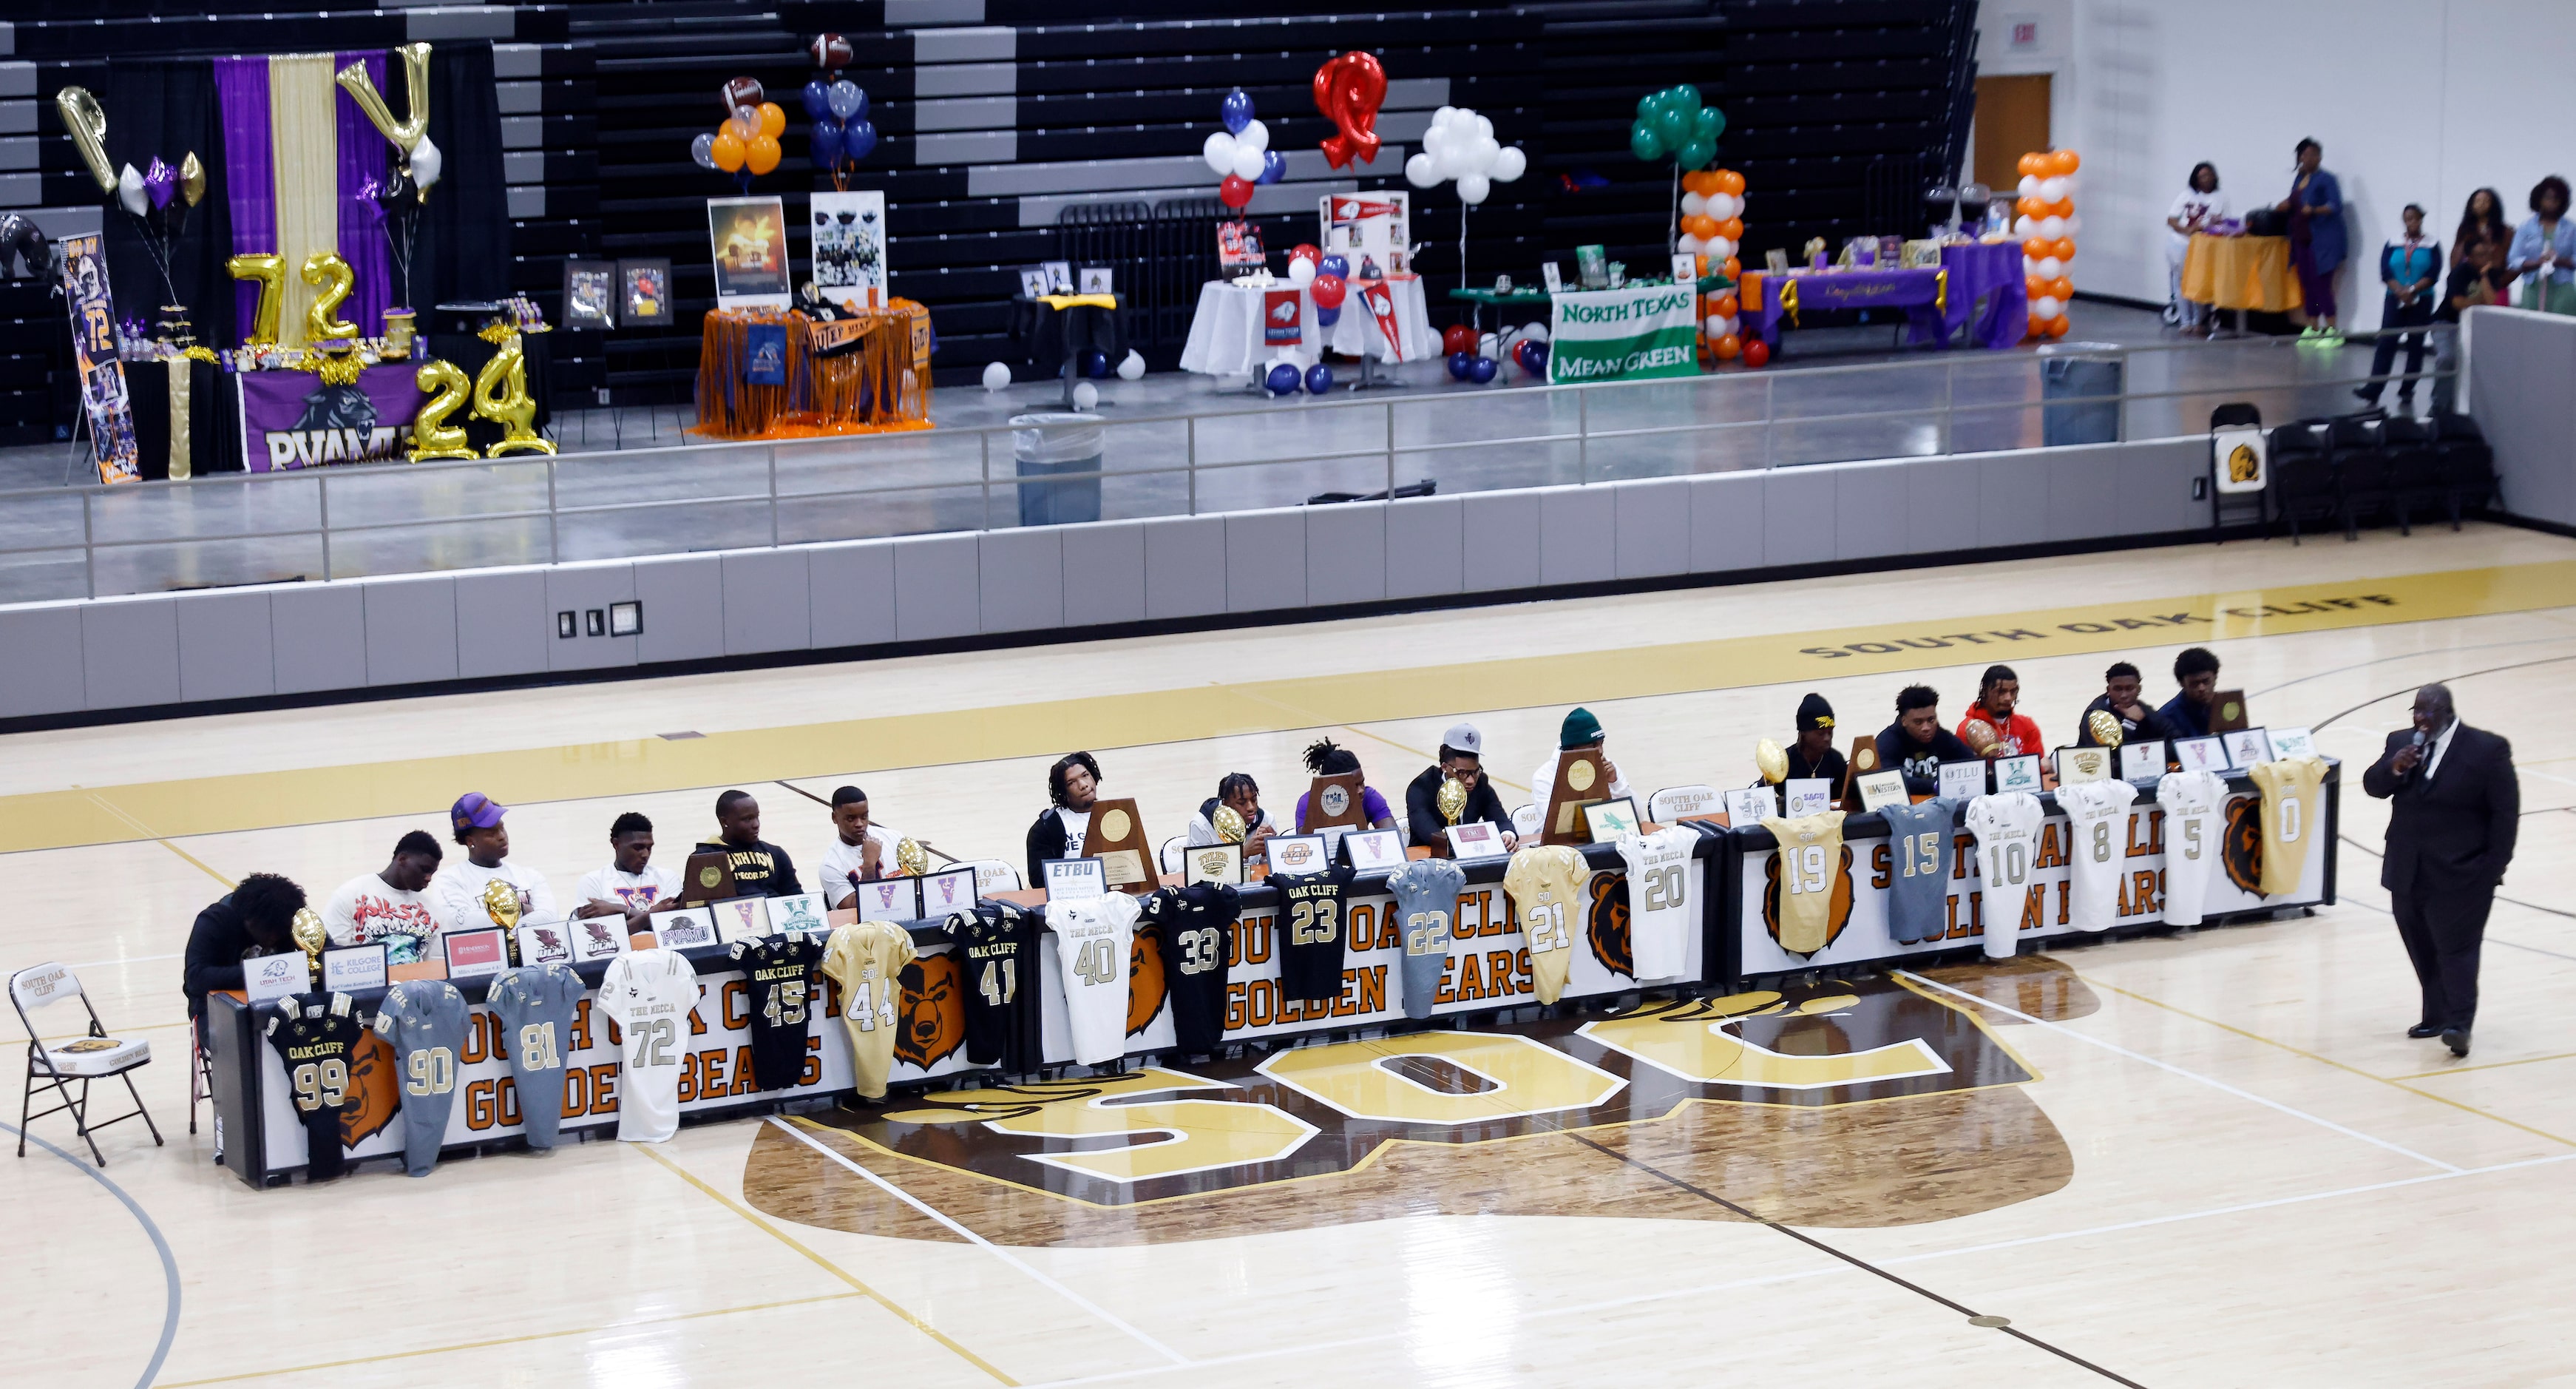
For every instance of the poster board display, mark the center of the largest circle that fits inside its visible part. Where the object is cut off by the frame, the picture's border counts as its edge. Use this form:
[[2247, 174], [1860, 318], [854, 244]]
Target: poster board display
[[747, 238], [849, 248], [104, 401], [1374, 230]]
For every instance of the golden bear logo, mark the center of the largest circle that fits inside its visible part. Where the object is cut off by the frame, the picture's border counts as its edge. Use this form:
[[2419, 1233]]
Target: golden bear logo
[[1145, 985], [1606, 924], [934, 1010], [1840, 909], [375, 1091], [2240, 847]]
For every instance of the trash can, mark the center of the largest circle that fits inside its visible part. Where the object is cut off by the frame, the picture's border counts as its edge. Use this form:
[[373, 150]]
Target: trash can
[[1049, 444], [2073, 371]]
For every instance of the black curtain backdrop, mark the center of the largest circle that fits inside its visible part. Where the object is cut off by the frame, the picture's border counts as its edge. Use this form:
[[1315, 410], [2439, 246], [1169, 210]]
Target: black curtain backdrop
[[463, 252], [166, 106]]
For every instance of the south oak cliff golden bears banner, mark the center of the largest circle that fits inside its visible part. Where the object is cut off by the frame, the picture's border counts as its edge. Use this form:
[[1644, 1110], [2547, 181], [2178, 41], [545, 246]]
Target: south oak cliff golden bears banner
[[1857, 926]]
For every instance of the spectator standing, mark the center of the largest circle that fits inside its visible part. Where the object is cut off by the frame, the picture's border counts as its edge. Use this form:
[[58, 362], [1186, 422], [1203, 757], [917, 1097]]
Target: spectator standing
[[2199, 204], [2411, 269], [2544, 250], [2317, 245], [2479, 280], [2481, 220]]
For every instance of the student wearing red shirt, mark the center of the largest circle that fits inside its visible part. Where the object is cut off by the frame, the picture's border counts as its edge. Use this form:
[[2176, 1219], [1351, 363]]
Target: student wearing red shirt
[[1992, 727]]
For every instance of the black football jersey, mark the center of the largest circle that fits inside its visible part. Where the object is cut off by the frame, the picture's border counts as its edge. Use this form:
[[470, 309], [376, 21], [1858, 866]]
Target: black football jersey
[[316, 1036], [1310, 931], [997, 944], [1196, 927], [779, 970]]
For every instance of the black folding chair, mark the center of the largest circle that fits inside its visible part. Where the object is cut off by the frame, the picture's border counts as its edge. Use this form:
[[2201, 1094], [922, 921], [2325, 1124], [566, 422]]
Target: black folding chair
[[2303, 482], [2360, 466], [2468, 466], [2414, 469]]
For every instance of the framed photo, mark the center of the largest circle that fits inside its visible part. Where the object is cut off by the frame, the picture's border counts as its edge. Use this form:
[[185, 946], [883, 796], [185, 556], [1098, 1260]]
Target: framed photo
[[1879, 790], [894, 899], [1776, 260], [351, 967], [1059, 275], [1372, 230], [1962, 781], [474, 954], [1685, 269], [1033, 284], [1374, 851], [1750, 805], [2247, 746], [2017, 774], [597, 938], [1075, 879], [1097, 279], [748, 240], [849, 248], [1238, 249], [2292, 742], [740, 918], [686, 929], [267, 978], [2142, 760], [1551, 275], [1607, 820], [547, 944], [1299, 853], [590, 294], [941, 894], [2076, 766], [1212, 863], [1592, 264], [2201, 754], [1806, 795], [643, 293], [1480, 839]]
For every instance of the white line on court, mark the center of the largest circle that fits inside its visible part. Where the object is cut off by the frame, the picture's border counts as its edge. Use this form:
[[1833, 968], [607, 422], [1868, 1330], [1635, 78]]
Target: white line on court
[[2211, 1082], [1178, 1360]]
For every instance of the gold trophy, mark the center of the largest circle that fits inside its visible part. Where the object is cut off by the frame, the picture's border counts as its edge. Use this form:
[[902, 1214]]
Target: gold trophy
[[910, 858], [2104, 726], [309, 936], [1229, 824], [1451, 799], [501, 903], [1770, 761]]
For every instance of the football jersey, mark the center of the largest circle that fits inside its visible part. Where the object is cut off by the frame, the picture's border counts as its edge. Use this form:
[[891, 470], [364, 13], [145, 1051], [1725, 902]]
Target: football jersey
[[536, 1005], [865, 960], [2007, 831], [1810, 858], [2191, 802], [1660, 900], [1545, 882], [424, 1019], [779, 972], [1194, 927], [316, 1036], [2289, 790], [996, 942], [1919, 844], [1310, 931], [2097, 826], [1426, 898], [648, 994], [1093, 938]]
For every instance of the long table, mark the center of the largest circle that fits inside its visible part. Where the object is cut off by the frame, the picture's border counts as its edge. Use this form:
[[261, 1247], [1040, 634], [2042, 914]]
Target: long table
[[1978, 291]]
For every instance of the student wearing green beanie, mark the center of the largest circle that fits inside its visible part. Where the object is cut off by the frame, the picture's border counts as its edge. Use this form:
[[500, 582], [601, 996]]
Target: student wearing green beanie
[[1580, 732]]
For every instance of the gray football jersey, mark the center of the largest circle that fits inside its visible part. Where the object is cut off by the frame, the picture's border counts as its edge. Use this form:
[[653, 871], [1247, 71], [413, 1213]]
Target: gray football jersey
[[1426, 898], [424, 1019], [535, 1004], [1919, 844]]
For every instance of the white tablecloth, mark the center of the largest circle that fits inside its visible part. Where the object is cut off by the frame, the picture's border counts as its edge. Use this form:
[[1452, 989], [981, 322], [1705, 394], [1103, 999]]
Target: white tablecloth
[[1226, 331]]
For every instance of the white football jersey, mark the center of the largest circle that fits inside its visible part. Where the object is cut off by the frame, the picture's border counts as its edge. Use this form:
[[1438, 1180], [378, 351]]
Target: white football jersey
[[1092, 939], [2193, 832], [2097, 815], [1661, 899], [2007, 831], [648, 994]]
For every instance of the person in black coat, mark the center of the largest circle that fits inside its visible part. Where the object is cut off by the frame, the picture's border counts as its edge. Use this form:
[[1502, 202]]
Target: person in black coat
[[2454, 804], [255, 918], [1072, 784], [1462, 759]]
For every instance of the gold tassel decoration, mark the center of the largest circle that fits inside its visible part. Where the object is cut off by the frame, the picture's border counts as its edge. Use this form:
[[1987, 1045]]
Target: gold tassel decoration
[[181, 369]]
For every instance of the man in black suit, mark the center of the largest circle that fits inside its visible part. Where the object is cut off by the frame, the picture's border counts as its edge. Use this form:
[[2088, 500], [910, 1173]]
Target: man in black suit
[[2454, 804]]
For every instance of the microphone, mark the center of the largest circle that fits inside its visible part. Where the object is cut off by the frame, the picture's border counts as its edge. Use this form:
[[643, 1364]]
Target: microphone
[[2418, 744]]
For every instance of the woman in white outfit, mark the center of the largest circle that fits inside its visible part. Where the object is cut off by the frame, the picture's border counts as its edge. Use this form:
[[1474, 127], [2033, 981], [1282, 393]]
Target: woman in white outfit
[[2199, 204]]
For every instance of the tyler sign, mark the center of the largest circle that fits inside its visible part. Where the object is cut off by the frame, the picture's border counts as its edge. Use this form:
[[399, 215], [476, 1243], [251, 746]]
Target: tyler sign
[[1623, 334]]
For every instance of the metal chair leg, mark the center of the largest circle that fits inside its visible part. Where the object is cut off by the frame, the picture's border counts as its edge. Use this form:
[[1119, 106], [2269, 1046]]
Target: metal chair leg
[[128, 1078]]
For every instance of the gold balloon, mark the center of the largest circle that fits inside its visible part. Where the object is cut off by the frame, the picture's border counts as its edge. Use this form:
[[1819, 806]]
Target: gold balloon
[[2104, 726], [87, 121], [310, 937], [910, 857], [326, 271], [501, 395], [431, 435], [270, 271], [1770, 761], [1229, 824], [404, 133], [1451, 799], [501, 903], [192, 179]]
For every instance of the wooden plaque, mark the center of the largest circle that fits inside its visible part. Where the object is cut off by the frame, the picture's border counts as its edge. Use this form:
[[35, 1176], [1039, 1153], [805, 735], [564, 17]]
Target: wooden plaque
[[1116, 837], [707, 878], [1581, 780], [1337, 802], [2227, 711], [1863, 761]]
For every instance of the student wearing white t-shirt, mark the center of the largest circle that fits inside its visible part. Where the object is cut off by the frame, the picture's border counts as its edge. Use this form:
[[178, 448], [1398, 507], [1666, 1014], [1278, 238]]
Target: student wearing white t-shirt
[[860, 852], [631, 885], [391, 905], [1072, 784], [458, 888], [2199, 204]]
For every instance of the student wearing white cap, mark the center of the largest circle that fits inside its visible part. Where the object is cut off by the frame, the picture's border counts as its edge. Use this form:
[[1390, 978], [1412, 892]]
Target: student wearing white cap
[[1462, 760]]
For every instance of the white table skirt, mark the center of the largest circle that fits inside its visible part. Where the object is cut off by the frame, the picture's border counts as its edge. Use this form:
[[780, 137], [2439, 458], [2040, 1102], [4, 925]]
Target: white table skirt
[[1226, 332]]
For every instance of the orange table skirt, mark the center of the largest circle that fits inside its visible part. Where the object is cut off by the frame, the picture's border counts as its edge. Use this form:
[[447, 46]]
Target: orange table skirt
[[881, 385], [2241, 272]]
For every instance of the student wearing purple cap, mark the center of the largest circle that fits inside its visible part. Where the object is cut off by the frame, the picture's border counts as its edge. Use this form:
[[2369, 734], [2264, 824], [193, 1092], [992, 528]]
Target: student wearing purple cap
[[458, 888]]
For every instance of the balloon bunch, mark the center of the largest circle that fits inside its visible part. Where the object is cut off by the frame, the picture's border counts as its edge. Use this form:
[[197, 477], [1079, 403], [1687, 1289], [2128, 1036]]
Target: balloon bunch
[[146, 197], [1672, 124], [841, 135], [747, 143], [394, 204], [1348, 91], [2046, 224], [1460, 146], [1241, 153], [1528, 349], [21, 239], [1712, 221], [1466, 353], [1326, 280], [417, 156]]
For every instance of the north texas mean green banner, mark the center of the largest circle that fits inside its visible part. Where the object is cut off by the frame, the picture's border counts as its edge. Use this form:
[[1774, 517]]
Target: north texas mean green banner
[[1623, 335]]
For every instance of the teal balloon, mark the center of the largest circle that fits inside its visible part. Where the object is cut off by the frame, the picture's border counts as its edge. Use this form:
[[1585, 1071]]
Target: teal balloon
[[1648, 105], [1673, 127], [1697, 153], [1686, 98], [1644, 143], [1710, 124]]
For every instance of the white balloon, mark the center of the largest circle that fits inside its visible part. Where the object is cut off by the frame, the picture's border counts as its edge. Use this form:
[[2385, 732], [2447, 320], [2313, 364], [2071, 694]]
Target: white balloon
[[1132, 366], [1718, 247], [1693, 205], [1733, 322], [1686, 244], [1509, 165], [129, 191], [2025, 228], [2051, 189], [425, 162], [1219, 152], [1490, 345], [2050, 267], [996, 376], [1443, 115], [2029, 186], [1722, 205], [2045, 307], [1474, 188], [1085, 395], [1254, 137], [1301, 271], [2029, 267], [1484, 128], [1421, 172], [1248, 163], [1536, 332], [2051, 228], [1481, 153]]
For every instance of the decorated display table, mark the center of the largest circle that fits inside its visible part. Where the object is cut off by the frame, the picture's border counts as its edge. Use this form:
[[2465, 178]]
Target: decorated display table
[[1055, 330], [1233, 331], [1977, 289], [2241, 272], [777, 374]]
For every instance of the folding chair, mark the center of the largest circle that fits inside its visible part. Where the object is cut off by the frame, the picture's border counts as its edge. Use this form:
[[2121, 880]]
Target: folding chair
[[993, 875], [1525, 821], [1170, 854], [94, 1056], [1674, 802], [201, 1075]]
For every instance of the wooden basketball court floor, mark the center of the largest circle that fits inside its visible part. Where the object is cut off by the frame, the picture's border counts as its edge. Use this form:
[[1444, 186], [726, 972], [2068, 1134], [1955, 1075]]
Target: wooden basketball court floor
[[2203, 1159]]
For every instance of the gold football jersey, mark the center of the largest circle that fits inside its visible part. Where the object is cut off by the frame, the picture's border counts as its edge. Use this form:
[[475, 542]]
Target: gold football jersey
[[1546, 886], [864, 961], [2289, 790], [1810, 858]]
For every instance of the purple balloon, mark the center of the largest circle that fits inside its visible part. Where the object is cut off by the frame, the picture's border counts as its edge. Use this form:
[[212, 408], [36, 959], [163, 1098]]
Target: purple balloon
[[162, 182], [366, 200], [1319, 379], [1284, 379], [1236, 112]]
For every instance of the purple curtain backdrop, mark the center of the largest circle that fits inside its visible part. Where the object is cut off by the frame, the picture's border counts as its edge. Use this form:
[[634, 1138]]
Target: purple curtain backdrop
[[250, 183], [364, 155]]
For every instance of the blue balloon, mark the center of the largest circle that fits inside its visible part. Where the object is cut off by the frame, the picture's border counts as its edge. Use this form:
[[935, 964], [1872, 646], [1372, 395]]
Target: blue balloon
[[1460, 363], [1236, 112], [1335, 265], [1095, 363], [1284, 379], [818, 100], [1326, 318], [1532, 355], [1319, 379], [858, 139], [825, 148], [1274, 167], [1481, 369]]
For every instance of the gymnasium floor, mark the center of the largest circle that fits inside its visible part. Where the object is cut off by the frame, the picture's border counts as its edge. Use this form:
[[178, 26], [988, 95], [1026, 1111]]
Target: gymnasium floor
[[2207, 1159]]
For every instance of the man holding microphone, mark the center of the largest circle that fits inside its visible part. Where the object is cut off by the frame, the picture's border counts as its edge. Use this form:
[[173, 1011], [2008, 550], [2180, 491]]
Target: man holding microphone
[[2454, 804]]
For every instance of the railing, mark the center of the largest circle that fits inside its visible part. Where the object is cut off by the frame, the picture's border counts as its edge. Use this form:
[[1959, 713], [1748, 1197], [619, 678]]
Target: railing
[[60, 543]]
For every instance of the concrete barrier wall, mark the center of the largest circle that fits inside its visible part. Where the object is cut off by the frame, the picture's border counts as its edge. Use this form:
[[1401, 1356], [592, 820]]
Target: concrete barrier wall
[[164, 651], [2522, 392]]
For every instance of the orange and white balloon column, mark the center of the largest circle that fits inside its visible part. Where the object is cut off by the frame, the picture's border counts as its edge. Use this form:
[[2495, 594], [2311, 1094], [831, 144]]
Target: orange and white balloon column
[[2046, 225], [1713, 227]]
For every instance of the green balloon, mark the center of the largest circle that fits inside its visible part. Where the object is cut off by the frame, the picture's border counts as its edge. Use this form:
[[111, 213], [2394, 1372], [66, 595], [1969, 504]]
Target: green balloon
[[1697, 153], [1686, 98], [1674, 127], [1644, 143], [1648, 105], [1710, 124]]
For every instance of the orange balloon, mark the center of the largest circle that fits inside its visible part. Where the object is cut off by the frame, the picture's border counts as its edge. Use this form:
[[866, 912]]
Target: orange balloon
[[1727, 347], [1734, 268], [1725, 306], [2030, 164], [2064, 162], [2038, 328], [1699, 266], [1699, 181], [2063, 248], [773, 122], [2031, 207], [2063, 207], [761, 154], [1732, 229], [1702, 226], [728, 150], [2037, 249], [1729, 182], [2057, 326], [2033, 286], [2061, 288]]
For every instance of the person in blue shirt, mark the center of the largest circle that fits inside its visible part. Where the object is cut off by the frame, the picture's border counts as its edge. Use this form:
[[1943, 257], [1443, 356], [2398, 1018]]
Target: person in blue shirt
[[2317, 246], [2544, 250], [2411, 268], [2187, 714]]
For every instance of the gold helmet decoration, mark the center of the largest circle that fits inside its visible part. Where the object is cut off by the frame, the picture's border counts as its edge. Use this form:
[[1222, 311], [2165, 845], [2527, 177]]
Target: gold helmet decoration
[[1769, 760], [2104, 726], [1229, 824], [1451, 799], [910, 857]]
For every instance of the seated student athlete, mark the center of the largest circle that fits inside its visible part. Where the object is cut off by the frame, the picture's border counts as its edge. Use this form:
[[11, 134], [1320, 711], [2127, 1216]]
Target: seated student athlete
[[1916, 744]]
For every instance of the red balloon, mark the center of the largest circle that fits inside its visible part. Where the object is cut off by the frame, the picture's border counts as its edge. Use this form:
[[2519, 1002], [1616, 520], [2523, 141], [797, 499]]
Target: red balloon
[[1456, 338], [1756, 352], [1235, 191], [1329, 291], [1307, 250], [1348, 90]]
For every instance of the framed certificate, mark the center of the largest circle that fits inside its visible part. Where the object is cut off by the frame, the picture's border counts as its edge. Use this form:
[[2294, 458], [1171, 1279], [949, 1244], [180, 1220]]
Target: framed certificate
[[1374, 851], [474, 954], [1074, 879], [351, 968], [1748, 805], [1213, 863], [2292, 742], [2075, 766], [2017, 774], [802, 912], [548, 944], [895, 899], [741, 918], [2247, 746], [1808, 795], [685, 929], [1881, 789], [267, 978], [1607, 820], [596, 938], [941, 894], [1962, 781], [1552, 276], [1299, 853], [2201, 754], [2142, 761], [1474, 841]]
